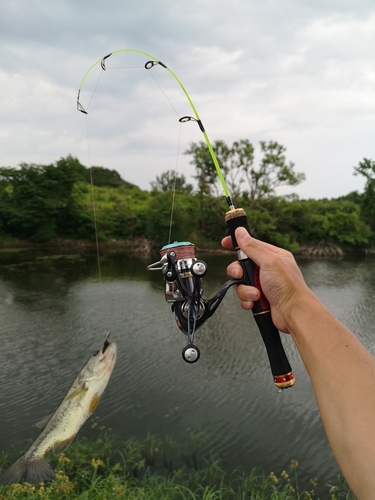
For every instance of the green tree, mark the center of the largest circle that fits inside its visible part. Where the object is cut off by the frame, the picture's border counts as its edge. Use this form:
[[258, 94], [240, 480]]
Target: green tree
[[121, 212], [184, 220], [312, 222], [206, 175], [237, 165], [273, 171], [104, 177], [366, 168], [291, 223], [207, 178], [35, 197], [171, 181]]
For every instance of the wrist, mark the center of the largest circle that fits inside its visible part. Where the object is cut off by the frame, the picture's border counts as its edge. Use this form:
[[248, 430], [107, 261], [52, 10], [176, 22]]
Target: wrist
[[301, 308]]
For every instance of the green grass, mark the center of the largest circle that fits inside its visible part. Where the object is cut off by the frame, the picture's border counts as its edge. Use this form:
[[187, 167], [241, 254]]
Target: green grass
[[153, 469]]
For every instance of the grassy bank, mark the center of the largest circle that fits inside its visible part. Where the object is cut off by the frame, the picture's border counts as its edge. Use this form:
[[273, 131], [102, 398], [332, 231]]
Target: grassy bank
[[107, 469]]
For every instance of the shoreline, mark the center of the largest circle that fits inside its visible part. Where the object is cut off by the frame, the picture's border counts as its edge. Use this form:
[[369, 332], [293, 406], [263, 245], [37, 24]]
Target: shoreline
[[143, 247]]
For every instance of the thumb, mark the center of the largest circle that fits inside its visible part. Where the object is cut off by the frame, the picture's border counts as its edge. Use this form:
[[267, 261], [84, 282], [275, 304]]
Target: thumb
[[254, 249]]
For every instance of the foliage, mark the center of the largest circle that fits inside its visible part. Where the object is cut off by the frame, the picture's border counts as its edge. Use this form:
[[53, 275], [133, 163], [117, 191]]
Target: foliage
[[184, 220], [104, 177], [171, 181], [35, 199], [206, 175], [313, 221], [154, 469], [237, 165], [272, 172], [120, 212], [366, 168], [44, 202], [292, 223]]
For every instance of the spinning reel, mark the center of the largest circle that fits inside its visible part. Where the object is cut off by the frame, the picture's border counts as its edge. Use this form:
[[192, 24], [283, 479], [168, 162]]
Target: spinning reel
[[183, 274]]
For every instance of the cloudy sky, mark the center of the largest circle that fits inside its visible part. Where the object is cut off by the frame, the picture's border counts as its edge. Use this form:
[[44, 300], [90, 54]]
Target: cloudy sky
[[300, 72]]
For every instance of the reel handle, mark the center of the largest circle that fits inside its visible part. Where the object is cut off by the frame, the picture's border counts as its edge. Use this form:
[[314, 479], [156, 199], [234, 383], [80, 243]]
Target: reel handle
[[280, 367]]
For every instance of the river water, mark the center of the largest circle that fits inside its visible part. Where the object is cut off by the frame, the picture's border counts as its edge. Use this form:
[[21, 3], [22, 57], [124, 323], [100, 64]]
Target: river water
[[54, 311]]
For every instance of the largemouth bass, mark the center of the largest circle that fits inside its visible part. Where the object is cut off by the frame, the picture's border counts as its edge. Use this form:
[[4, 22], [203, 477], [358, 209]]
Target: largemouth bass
[[59, 430]]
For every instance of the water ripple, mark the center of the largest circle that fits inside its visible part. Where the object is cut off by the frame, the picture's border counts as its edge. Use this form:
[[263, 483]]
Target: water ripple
[[54, 315]]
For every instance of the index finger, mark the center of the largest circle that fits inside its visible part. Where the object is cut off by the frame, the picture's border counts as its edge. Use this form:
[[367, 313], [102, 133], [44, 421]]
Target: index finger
[[227, 242]]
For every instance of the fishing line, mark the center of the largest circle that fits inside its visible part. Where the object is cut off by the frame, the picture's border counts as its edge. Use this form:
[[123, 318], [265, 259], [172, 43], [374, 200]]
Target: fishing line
[[150, 64], [174, 185], [93, 204], [178, 142], [153, 61], [177, 155], [124, 67], [103, 311], [93, 92], [91, 174], [165, 95], [107, 68]]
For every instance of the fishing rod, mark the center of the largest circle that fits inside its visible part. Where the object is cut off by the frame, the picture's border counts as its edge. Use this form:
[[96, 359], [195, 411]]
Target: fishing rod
[[183, 272]]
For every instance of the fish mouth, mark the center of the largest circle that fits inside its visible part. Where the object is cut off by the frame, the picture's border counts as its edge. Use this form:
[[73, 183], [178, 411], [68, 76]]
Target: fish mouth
[[106, 342], [109, 349]]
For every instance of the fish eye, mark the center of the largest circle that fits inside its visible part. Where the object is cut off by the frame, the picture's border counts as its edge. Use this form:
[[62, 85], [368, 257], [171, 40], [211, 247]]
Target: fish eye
[[95, 353]]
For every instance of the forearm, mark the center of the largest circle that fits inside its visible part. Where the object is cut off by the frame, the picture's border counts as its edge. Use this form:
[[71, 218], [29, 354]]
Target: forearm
[[342, 373]]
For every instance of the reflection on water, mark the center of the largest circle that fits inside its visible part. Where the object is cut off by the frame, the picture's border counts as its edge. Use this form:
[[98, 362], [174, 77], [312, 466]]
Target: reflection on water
[[54, 312]]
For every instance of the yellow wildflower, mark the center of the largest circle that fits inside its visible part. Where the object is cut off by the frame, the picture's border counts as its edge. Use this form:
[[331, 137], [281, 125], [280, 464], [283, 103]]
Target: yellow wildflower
[[285, 475], [314, 482], [96, 463], [119, 491], [273, 477], [63, 459], [294, 464]]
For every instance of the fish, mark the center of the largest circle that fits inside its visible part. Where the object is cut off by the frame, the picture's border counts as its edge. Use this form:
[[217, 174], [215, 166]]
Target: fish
[[60, 428]]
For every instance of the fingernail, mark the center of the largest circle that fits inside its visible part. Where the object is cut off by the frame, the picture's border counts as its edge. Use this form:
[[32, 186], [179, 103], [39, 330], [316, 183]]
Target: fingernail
[[241, 233]]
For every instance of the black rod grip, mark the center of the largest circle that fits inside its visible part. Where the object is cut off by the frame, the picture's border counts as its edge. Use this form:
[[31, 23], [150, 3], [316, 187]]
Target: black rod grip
[[280, 367]]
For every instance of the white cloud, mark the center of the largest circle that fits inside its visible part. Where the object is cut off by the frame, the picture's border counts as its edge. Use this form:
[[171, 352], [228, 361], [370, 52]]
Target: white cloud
[[301, 73]]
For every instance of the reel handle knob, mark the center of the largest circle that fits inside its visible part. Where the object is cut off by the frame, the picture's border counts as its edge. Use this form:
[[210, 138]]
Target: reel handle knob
[[190, 353], [199, 269], [280, 367]]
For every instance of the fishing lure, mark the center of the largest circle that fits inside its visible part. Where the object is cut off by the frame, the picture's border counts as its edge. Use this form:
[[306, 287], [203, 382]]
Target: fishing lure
[[183, 272]]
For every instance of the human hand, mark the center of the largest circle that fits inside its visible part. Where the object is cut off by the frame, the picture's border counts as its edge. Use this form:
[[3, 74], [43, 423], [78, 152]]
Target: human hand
[[281, 280]]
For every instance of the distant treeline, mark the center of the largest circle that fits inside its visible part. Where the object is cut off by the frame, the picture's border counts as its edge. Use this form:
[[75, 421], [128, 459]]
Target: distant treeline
[[42, 203]]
